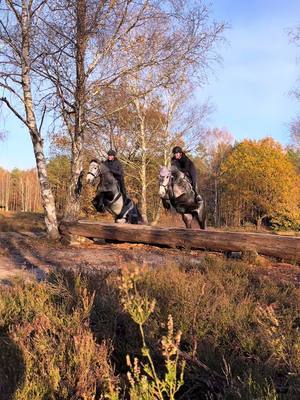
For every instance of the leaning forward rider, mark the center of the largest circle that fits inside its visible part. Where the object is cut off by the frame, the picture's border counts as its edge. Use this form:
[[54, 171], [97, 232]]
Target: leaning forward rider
[[186, 165], [115, 167]]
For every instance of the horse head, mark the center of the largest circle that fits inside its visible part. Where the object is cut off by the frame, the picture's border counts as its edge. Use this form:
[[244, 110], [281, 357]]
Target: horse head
[[94, 171], [164, 181]]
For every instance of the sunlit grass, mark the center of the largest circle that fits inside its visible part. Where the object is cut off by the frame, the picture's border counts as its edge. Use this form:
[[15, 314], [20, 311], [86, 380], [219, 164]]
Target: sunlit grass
[[69, 337]]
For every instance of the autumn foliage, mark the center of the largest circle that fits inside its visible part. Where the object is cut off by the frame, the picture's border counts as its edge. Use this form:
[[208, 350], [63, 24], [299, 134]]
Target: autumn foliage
[[259, 181], [253, 182]]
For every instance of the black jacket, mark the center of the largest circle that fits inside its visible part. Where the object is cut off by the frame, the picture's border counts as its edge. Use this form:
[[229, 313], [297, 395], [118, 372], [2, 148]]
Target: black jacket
[[116, 169], [185, 165]]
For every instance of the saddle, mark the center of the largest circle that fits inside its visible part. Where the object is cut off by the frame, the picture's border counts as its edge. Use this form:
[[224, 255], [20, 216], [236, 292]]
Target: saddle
[[176, 203], [129, 212]]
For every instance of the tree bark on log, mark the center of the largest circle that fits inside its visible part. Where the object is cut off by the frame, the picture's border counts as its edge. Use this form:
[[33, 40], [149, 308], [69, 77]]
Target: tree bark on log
[[282, 247]]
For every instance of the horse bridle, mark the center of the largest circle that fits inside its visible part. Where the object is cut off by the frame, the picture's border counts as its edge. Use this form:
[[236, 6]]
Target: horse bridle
[[95, 176], [168, 185]]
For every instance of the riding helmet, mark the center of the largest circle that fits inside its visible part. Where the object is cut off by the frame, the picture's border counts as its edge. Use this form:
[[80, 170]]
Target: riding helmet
[[111, 152], [177, 149]]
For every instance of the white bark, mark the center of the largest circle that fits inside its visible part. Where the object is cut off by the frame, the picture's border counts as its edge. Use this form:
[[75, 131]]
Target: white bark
[[37, 142]]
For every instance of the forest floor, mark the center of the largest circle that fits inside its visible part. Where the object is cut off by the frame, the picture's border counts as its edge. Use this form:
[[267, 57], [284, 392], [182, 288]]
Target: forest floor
[[26, 252]]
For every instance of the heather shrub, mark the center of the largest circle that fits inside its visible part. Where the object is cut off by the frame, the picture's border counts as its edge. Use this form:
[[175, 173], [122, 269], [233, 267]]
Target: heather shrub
[[49, 324], [239, 328], [220, 307]]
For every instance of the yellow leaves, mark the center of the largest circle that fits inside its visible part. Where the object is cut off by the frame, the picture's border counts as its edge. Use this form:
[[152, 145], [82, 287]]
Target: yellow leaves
[[262, 176]]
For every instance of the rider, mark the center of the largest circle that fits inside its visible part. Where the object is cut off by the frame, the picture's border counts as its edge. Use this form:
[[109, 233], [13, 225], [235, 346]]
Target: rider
[[115, 167], [186, 165]]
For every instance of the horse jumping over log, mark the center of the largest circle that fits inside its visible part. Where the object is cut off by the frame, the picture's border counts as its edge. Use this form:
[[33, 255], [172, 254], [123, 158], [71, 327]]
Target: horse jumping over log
[[109, 197], [175, 190]]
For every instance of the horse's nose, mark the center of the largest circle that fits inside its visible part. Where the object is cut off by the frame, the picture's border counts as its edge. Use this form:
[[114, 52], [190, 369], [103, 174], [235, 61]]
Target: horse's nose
[[161, 191]]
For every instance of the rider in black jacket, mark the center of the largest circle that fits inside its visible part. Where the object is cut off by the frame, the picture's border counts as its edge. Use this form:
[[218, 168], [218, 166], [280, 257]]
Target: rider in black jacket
[[115, 167], [186, 165]]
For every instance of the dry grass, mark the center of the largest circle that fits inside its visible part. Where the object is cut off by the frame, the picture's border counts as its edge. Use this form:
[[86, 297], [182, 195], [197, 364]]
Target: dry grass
[[240, 333], [241, 325], [21, 221], [50, 350]]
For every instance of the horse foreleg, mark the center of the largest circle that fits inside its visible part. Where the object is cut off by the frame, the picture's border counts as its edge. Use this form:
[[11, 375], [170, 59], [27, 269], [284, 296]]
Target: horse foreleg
[[98, 202], [187, 219], [166, 204], [201, 216]]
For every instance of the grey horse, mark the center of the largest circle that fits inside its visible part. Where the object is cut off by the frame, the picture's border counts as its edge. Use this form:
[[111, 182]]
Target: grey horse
[[109, 197], [175, 190]]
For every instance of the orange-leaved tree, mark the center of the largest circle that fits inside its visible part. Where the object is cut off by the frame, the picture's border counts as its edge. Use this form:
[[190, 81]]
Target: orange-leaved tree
[[260, 181]]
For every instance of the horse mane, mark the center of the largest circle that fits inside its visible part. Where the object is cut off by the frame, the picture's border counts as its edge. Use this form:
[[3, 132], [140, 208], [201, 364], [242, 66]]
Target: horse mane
[[96, 160], [107, 175], [176, 173]]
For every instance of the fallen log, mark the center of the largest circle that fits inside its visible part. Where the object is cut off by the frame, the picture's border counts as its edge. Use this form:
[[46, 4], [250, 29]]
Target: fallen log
[[284, 247]]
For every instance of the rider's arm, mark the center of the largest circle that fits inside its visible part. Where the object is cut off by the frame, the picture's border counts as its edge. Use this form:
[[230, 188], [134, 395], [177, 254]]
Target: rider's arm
[[193, 173], [116, 169], [120, 175]]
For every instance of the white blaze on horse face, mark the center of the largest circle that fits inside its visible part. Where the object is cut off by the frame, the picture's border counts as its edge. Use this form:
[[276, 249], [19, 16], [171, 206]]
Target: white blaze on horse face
[[164, 178], [162, 191], [93, 172]]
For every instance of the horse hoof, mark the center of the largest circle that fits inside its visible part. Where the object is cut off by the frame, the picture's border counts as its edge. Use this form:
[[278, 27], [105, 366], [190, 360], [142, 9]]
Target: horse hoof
[[121, 221]]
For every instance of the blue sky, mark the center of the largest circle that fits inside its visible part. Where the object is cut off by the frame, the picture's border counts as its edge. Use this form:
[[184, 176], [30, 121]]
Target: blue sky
[[250, 90]]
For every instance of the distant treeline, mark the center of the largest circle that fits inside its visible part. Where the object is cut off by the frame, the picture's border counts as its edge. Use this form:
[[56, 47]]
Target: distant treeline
[[19, 190]]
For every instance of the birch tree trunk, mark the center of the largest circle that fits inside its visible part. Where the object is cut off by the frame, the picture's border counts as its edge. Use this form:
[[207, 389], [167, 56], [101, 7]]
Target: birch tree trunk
[[144, 172], [7, 193], [143, 167], [72, 203], [37, 142], [216, 201]]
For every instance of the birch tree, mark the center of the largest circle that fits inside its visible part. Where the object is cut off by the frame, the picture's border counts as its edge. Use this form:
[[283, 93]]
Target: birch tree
[[294, 36], [94, 46], [215, 146], [83, 39], [17, 60]]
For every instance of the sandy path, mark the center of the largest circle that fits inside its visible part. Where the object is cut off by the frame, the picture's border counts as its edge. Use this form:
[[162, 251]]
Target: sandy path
[[22, 254]]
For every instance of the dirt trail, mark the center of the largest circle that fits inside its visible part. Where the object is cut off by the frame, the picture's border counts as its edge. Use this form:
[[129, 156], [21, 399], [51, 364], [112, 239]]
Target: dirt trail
[[24, 253]]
